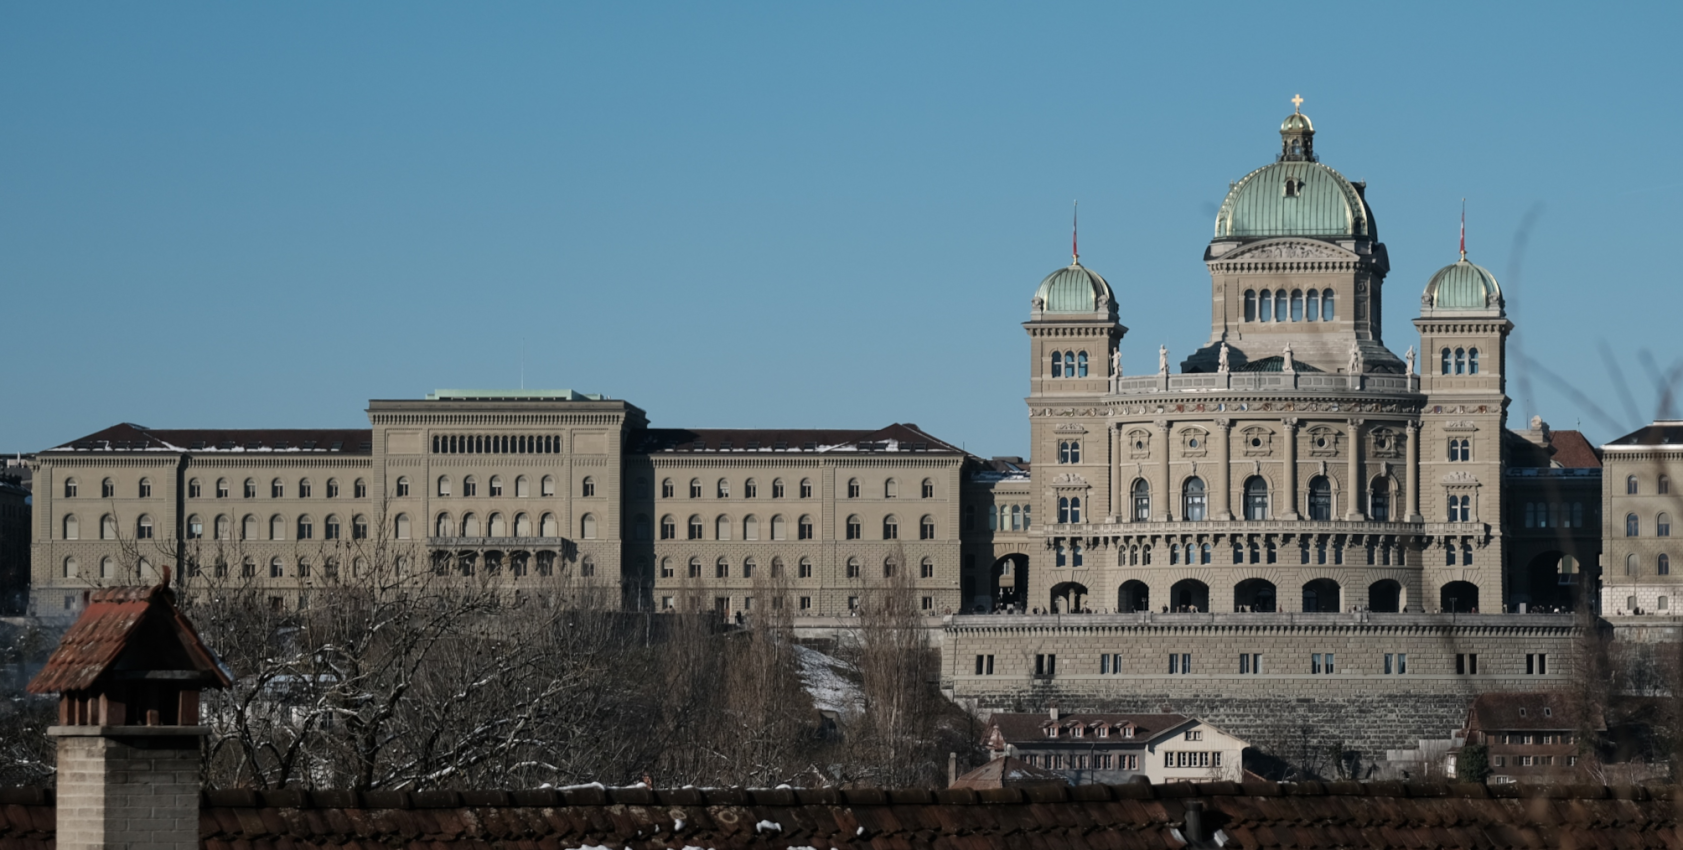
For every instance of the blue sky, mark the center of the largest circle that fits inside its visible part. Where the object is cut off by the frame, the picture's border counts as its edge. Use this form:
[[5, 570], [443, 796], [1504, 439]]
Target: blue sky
[[779, 215]]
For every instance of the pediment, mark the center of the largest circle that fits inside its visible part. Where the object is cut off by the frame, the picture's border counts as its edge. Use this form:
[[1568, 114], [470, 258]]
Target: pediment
[[1069, 479], [1069, 428], [1460, 477]]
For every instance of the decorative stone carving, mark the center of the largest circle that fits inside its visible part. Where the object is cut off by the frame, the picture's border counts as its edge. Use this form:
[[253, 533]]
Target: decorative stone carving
[[1194, 442], [1323, 442], [1461, 477], [1069, 428], [1221, 364], [1289, 251], [1257, 442], [1069, 479], [1460, 425], [1162, 360]]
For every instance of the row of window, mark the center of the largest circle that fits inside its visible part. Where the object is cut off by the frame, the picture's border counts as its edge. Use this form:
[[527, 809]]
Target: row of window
[[1250, 664], [469, 444], [1532, 761], [1633, 487], [195, 488], [803, 569], [1090, 761], [751, 489], [1195, 500], [1459, 361], [1661, 604], [1557, 515], [1000, 517], [1633, 565], [1662, 525], [722, 604], [1069, 364], [724, 525], [445, 525], [522, 487], [1299, 306]]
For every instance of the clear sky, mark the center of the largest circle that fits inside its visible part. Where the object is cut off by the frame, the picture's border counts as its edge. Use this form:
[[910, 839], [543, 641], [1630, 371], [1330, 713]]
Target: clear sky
[[782, 214]]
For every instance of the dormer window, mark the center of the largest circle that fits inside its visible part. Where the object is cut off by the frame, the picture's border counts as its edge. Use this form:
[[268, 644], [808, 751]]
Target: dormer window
[[1079, 731], [1051, 731], [1522, 712], [1104, 731], [1294, 186], [1548, 712]]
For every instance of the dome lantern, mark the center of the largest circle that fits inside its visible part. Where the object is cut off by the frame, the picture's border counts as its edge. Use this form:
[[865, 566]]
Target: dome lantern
[[1297, 135]]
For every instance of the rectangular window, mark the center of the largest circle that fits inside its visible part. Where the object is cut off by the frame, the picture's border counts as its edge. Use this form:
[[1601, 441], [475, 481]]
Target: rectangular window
[[1396, 663], [1536, 664], [928, 603], [1250, 663], [1110, 663], [1046, 665], [1315, 664], [1180, 664], [984, 665], [1499, 761], [1466, 664], [806, 603]]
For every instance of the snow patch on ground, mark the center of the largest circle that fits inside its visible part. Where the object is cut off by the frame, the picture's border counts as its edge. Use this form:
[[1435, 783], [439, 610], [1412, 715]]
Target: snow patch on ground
[[827, 681]]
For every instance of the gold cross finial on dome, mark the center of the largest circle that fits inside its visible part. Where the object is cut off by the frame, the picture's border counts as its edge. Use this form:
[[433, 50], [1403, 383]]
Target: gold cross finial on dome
[[1297, 103]]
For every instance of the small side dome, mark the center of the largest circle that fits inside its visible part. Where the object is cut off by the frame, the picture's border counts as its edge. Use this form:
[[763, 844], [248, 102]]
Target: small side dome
[[1074, 289], [1463, 286]]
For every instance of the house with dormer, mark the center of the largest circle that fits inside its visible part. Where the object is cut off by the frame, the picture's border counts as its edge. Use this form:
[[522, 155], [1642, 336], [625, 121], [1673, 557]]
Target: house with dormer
[[1109, 749]]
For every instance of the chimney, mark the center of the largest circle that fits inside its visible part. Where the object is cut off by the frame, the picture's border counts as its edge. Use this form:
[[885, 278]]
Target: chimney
[[1054, 710], [128, 675], [1194, 822], [952, 769]]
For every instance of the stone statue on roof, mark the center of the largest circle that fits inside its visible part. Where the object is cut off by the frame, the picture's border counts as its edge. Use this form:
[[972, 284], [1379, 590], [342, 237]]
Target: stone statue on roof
[[1409, 356], [1287, 364], [1162, 360], [1221, 365]]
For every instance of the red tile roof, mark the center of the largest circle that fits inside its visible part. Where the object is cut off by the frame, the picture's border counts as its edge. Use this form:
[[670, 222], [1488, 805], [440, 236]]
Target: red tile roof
[[1121, 817], [1501, 712], [1008, 772], [138, 626], [1573, 451], [897, 437], [1032, 726], [130, 437]]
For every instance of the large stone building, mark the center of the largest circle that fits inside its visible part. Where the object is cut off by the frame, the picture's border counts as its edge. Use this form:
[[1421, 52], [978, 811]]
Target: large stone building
[[1640, 502], [1291, 510]]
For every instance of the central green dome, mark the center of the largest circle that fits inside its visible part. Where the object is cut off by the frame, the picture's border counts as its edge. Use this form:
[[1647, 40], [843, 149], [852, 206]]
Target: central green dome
[[1298, 198]]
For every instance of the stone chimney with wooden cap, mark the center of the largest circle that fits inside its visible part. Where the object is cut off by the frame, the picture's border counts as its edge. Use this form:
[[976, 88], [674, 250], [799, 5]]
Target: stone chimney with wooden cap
[[128, 674]]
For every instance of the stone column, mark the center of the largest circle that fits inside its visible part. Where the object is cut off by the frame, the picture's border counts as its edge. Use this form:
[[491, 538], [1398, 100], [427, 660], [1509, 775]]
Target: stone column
[[134, 787], [1288, 478], [1413, 503], [1165, 500], [1224, 475], [1353, 511]]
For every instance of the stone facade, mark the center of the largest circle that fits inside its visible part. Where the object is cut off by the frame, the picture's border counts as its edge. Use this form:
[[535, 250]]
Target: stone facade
[[1641, 502], [135, 788]]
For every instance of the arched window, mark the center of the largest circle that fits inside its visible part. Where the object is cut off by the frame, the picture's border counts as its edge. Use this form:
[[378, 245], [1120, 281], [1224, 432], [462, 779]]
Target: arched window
[[401, 527], [722, 489], [248, 528], [1379, 501], [694, 527], [1662, 525], [145, 488], [522, 487], [1016, 518], [1664, 486], [806, 488], [1320, 499], [359, 488], [443, 485], [750, 489], [497, 526], [1630, 486], [444, 526], [306, 528], [777, 491], [890, 528], [1662, 566], [721, 527], [497, 486], [470, 525], [403, 486], [549, 526], [470, 486], [1297, 305], [853, 488], [804, 528], [305, 488], [928, 488], [1250, 305], [1256, 499], [1448, 363], [1075, 509], [926, 528], [70, 568], [1632, 564], [1312, 305], [779, 528], [108, 568], [1460, 361], [748, 567], [107, 489], [69, 488], [1081, 365], [695, 488], [220, 529], [277, 527], [666, 489], [891, 489], [855, 528], [1265, 306], [1204, 554], [668, 528], [750, 527], [1327, 311], [1631, 525], [359, 527], [852, 567], [277, 489], [1280, 306], [1057, 364], [332, 488], [1141, 493], [72, 530], [1472, 361], [277, 567], [1194, 502], [587, 527]]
